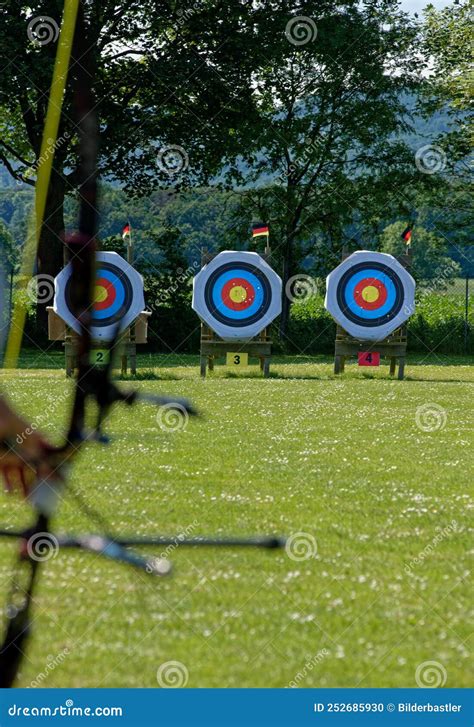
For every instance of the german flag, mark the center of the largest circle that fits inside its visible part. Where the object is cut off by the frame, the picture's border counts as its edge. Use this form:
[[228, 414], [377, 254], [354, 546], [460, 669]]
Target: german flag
[[260, 229], [406, 234]]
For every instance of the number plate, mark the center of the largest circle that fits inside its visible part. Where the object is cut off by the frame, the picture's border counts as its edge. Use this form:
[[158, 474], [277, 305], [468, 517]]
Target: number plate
[[368, 358], [237, 359], [99, 357]]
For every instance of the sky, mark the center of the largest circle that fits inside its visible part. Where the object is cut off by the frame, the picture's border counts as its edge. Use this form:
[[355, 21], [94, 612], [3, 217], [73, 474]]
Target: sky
[[417, 5]]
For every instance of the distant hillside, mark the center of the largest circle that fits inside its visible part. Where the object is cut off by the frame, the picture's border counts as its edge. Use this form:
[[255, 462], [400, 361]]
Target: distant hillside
[[425, 130]]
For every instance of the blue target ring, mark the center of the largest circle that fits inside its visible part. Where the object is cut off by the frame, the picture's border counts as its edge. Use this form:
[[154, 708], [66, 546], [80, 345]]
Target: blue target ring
[[215, 299], [119, 288], [346, 298], [218, 299], [113, 313], [351, 303]]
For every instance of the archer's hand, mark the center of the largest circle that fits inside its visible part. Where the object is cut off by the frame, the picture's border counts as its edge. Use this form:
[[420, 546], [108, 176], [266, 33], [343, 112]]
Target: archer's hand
[[25, 455]]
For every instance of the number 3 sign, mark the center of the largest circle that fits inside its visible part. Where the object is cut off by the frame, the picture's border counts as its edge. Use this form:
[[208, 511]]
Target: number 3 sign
[[237, 359]]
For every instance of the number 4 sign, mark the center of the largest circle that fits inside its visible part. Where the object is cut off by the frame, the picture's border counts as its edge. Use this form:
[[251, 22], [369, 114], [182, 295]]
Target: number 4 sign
[[368, 358]]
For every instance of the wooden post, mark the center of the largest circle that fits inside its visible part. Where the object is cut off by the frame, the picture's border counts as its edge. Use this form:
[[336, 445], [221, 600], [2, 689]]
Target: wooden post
[[213, 347], [393, 347]]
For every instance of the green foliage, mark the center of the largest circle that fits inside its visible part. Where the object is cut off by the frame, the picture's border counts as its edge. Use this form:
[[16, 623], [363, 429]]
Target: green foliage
[[173, 325], [311, 329], [438, 325], [448, 40], [430, 263]]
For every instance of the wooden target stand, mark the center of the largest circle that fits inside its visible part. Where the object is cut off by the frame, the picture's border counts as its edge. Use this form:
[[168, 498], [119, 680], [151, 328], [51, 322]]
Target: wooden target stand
[[394, 347], [213, 347], [135, 334]]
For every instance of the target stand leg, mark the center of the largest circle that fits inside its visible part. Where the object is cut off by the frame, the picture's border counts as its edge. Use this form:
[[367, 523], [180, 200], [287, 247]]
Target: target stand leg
[[124, 365], [203, 366], [393, 365], [266, 367], [210, 363], [401, 368], [69, 366], [339, 362]]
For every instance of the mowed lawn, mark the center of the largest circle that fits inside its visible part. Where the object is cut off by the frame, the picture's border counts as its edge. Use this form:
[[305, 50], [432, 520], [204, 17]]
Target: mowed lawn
[[346, 461]]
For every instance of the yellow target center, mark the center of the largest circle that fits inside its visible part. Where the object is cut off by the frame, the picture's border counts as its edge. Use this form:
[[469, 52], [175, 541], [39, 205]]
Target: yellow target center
[[100, 294], [370, 294], [238, 294]]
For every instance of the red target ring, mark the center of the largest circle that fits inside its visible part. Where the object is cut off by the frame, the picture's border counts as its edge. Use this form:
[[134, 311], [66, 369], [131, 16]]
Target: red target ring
[[370, 293], [104, 301], [238, 294]]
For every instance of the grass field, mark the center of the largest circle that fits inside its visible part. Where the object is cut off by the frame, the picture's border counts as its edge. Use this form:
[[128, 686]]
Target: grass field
[[354, 463]]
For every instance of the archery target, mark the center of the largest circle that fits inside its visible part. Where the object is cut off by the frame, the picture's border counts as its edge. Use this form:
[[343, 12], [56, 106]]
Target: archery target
[[118, 296], [370, 294], [237, 294]]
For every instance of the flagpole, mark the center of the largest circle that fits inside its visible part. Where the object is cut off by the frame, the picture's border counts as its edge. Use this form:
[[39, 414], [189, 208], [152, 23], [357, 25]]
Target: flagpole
[[130, 245]]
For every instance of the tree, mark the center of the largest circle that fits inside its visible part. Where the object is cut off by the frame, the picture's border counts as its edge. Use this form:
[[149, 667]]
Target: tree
[[158, 73], [331, 105], [448, 39]]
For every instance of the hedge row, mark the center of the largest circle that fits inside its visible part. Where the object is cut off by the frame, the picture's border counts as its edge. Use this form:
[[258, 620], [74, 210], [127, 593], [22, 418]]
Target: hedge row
[[438, 324]]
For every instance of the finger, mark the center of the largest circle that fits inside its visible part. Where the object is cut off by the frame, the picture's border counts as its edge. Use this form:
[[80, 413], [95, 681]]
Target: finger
[[4, 474], [24, 485], [8, 474]]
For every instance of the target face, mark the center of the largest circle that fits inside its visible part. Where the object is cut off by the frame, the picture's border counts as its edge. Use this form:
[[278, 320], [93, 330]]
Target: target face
[[370, 294], [237, 294], [118, 296]]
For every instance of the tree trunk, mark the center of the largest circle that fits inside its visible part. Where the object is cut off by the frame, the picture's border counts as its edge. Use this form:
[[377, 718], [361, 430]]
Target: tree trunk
[[285, 300], [51, 246], [288, 251]]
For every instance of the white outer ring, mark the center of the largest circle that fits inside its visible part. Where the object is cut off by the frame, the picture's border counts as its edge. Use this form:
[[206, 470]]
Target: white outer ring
[[101, 333], [242, 333], [367, 333]]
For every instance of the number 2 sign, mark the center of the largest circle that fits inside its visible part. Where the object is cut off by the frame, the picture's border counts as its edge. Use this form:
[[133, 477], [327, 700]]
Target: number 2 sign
[[368, 358]]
